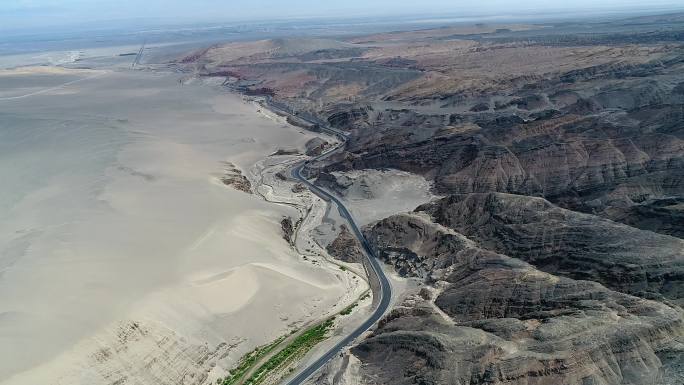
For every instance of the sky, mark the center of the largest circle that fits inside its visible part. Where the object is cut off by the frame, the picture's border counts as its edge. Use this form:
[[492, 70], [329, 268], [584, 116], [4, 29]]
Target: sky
[[18, 14]]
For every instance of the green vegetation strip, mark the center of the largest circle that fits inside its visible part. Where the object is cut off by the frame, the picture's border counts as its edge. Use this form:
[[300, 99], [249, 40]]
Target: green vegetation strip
[[349, 309], [247, 362], [300, 346]]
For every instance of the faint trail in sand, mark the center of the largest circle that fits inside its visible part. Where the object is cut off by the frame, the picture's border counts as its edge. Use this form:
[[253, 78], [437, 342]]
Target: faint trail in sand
[[51, 88]]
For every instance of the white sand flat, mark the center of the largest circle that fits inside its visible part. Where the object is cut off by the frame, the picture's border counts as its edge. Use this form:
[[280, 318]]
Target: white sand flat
[[120, 253]]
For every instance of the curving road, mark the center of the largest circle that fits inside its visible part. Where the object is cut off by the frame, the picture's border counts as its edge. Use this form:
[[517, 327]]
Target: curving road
[[385, 290]]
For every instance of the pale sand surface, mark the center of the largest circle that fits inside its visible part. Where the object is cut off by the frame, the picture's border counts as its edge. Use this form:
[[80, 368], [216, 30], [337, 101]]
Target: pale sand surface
[[121, 254], [372, 195], [59, 57]]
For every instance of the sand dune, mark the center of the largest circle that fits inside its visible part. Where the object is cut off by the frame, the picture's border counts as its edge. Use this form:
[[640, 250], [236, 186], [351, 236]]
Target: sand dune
[[121, 256]]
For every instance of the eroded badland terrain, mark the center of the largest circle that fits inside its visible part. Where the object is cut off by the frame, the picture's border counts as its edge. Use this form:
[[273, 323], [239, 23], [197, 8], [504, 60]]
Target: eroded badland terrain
[[556, 251]]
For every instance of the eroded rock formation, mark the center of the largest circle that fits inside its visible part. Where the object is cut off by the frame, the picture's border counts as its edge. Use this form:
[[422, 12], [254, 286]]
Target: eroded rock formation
[[233, 177], [499, 320], [345, 246]]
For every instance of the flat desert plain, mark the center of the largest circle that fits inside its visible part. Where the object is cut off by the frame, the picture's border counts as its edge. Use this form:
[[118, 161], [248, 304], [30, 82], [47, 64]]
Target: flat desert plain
[[122, 254]]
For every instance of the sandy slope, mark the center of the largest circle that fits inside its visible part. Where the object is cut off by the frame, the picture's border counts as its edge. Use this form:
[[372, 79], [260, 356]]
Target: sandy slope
[[121, 254], [375, 194]]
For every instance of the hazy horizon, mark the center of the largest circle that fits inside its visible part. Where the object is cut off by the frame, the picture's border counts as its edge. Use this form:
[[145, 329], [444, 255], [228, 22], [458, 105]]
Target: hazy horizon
[[29, 14]]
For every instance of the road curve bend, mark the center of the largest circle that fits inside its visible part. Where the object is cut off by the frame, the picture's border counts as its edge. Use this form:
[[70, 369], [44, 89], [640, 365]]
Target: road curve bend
[[384, 292]]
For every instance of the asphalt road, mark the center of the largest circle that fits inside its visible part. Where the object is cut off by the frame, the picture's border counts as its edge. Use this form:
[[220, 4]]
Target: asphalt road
[[385, 290]]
